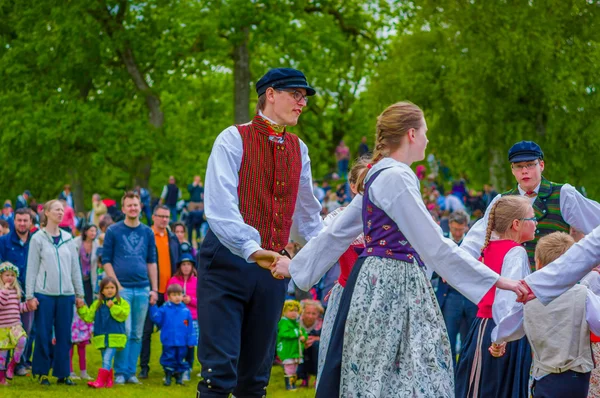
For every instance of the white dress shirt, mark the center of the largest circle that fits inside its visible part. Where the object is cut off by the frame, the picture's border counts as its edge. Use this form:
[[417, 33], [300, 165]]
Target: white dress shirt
[[576, 210], [221, 201], [395, 191], [510, 327]]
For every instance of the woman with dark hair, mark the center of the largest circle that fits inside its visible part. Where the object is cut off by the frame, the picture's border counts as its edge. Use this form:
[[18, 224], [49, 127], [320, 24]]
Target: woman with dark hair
[[87, 246]]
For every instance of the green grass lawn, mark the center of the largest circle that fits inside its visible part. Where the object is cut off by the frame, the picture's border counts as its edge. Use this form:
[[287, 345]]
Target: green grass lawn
[[26, 387]]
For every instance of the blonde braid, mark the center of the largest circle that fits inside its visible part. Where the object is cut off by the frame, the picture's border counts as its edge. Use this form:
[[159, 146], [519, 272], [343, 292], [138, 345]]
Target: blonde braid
[[490, 227]]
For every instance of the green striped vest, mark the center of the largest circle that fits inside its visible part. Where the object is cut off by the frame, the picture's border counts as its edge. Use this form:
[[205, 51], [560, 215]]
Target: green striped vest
[[547, 212]]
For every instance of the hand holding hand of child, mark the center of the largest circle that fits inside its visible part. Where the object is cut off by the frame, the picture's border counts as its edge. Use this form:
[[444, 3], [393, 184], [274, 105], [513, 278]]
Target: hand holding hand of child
[[302, 339], [32, 304], [186, 299], [79, 302], [497, 350]]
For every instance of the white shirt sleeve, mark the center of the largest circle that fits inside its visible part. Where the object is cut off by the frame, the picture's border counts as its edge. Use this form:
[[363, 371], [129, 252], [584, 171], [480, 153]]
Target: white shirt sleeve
[[307, 220], [592, 312], [221, 201], [473, 242], [505, 309], [559, 276], [322, 252], [396, 191], [577, 210]]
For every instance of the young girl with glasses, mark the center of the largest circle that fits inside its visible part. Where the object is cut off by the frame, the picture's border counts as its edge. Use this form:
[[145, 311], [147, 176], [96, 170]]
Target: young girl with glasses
[[480, 373]]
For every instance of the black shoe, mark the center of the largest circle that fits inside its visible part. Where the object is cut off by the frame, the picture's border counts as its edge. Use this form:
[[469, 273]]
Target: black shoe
[[67, 381], [44, 380], [168, 375], [179, 378], [143, 373]]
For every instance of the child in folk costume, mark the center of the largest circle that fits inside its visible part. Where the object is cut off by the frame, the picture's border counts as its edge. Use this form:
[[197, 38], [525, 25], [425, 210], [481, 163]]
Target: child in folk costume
[[12, 334], [558, 332], [290, 342], [346, 261], [479, 373], [109, 313], [389, 338], [81, 334]]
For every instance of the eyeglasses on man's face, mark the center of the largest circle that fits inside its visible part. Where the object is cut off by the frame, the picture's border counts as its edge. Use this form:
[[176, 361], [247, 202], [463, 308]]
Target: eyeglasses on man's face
[[297, 95], [526, 166]]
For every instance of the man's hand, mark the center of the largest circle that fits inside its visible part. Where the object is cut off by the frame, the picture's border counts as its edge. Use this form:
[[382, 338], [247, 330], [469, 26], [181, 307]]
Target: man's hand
[[79, 302], [186, 299], [311, 340], [266, 259], [153, 297], [282, 268], [32, 304], [497, 350]]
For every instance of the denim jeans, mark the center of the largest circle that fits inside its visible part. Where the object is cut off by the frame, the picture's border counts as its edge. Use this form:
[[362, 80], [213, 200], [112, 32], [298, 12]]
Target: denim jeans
[[127, 358], [108, 354], [459, 313]]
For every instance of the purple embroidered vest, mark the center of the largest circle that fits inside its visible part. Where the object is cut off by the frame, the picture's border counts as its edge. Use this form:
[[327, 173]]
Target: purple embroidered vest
[[383, 238]]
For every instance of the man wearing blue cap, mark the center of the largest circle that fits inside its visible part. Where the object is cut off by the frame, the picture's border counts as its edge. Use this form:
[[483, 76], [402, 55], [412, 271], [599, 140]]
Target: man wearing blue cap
[[557, 206], [258, 188]]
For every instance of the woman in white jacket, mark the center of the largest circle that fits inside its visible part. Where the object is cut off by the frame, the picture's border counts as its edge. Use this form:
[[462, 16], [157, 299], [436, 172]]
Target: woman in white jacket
[[53, 286]]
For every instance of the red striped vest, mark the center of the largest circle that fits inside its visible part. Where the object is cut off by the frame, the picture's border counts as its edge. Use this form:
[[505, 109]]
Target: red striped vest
[[269, 178]]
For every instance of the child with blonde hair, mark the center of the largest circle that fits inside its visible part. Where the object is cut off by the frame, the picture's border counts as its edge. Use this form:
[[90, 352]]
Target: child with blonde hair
[[12, 334], [558, 332], [290, 342], [479, 372]]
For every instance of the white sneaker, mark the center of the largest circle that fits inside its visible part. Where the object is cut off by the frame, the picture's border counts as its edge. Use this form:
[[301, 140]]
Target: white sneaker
[[74, 376], [186, 375], [85, 375]]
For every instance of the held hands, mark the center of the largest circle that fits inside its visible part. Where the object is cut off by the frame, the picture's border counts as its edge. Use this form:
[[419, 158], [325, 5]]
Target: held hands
[[515, 286], [282, 268], [186, 299], [153, 297], [497, 350], [302, 339], [267, 259], [32, 304], [79, 302]]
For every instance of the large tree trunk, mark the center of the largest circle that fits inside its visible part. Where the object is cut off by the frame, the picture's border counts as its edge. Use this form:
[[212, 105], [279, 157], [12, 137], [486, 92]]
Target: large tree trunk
[[156, 115], [77, 189], [241, 80]]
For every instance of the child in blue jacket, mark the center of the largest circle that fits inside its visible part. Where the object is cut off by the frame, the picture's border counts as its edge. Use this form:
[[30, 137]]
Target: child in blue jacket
[[176, 333]]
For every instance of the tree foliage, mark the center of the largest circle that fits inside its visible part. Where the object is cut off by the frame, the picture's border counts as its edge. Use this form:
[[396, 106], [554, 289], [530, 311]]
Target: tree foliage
[[107, 94]]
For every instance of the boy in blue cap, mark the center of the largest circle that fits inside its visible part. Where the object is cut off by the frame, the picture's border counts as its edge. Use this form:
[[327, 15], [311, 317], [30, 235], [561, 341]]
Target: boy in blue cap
[[557, 206], [176, 334], [258, 184]]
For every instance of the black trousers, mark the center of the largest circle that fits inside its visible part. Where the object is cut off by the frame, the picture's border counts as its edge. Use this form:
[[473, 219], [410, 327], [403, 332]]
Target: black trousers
[[239, 306], [567, 384], [311, 362], [147, 336]]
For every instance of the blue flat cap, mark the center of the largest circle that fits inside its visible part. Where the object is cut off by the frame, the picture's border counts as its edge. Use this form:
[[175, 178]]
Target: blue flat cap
[[523, 151], [281, 78]]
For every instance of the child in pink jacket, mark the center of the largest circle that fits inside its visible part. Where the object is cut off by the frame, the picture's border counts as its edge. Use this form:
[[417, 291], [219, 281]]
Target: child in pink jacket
[[185, 276]]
